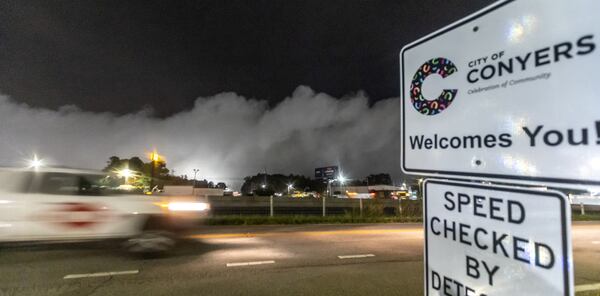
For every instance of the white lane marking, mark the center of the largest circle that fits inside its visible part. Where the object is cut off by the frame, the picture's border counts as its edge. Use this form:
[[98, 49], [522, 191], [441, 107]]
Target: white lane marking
[[596, 242], [355, 256], [590, 287], [249, 263], [99, 274]]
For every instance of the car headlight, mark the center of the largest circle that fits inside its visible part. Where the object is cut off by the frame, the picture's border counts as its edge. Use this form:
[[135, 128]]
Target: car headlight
[[188, 206]]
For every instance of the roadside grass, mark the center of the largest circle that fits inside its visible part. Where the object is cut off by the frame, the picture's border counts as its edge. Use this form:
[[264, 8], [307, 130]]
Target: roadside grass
[[591, 216], [338, 219], [304, 219], [588, 293]]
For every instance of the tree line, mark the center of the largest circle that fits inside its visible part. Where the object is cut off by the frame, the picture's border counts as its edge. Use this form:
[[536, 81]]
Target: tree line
[[268, 184], [259, 184], [141, 173]]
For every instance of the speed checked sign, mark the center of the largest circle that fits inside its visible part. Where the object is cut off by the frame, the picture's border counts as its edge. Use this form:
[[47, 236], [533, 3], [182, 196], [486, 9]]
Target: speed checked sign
[[496, 240], [510, 92]]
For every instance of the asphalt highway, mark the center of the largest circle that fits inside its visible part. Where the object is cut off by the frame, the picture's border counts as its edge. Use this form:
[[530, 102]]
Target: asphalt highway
[[375, 259]]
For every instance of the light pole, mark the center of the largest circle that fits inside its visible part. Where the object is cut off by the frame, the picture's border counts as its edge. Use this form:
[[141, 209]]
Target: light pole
[[154, 158], [290, 186], [195, 172], [194, 186]]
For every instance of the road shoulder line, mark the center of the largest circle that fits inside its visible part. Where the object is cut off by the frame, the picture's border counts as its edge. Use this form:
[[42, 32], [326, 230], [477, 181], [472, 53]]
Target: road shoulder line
[[356, 256], [234, 264], [589, 287], [100, 274]]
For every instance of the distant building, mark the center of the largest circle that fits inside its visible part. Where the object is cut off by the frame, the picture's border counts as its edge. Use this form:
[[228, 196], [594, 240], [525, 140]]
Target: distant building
[[372, 191], [191, 191]]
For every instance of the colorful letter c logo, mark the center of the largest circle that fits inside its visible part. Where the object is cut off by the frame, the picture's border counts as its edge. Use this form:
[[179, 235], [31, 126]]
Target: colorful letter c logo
[[444, 68]]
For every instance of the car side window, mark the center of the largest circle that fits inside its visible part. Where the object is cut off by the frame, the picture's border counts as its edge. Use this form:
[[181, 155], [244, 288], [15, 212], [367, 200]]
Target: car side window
[[73, 184], [63, 184]]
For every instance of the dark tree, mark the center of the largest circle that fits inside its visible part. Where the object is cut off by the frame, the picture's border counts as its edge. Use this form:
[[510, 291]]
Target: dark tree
[[362, 182], [142, 170], [380, 179], [112, 164], [136, 164], [263, 184], [202, 184]]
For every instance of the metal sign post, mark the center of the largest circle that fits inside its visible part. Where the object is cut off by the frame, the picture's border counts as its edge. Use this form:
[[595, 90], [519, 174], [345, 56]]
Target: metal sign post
[[324, 211]]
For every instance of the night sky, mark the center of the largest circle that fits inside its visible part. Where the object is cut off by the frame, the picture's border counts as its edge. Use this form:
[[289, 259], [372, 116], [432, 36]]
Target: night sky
[[122, 56]]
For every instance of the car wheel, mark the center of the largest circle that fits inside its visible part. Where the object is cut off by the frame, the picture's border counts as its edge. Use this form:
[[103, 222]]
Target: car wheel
[[150, 241]]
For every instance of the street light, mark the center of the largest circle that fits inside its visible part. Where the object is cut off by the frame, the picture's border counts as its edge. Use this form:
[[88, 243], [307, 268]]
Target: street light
[[125, 173], [290, 186], [36, 163], [342, 179]]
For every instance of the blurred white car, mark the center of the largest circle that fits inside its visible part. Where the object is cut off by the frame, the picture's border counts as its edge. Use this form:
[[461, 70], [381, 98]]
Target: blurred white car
[[54, 204]]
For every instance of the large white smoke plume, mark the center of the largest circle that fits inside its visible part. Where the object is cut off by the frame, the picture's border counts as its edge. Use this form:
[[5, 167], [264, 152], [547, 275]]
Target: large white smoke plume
[[226, 136]]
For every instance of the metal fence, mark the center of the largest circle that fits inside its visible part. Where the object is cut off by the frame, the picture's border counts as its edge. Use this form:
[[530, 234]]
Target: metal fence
[[265, 205]]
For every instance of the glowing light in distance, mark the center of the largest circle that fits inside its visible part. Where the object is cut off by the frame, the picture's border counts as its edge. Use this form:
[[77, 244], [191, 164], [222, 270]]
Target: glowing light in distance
[[154, 156], [188, 206], [125, 173], [36, 163]]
